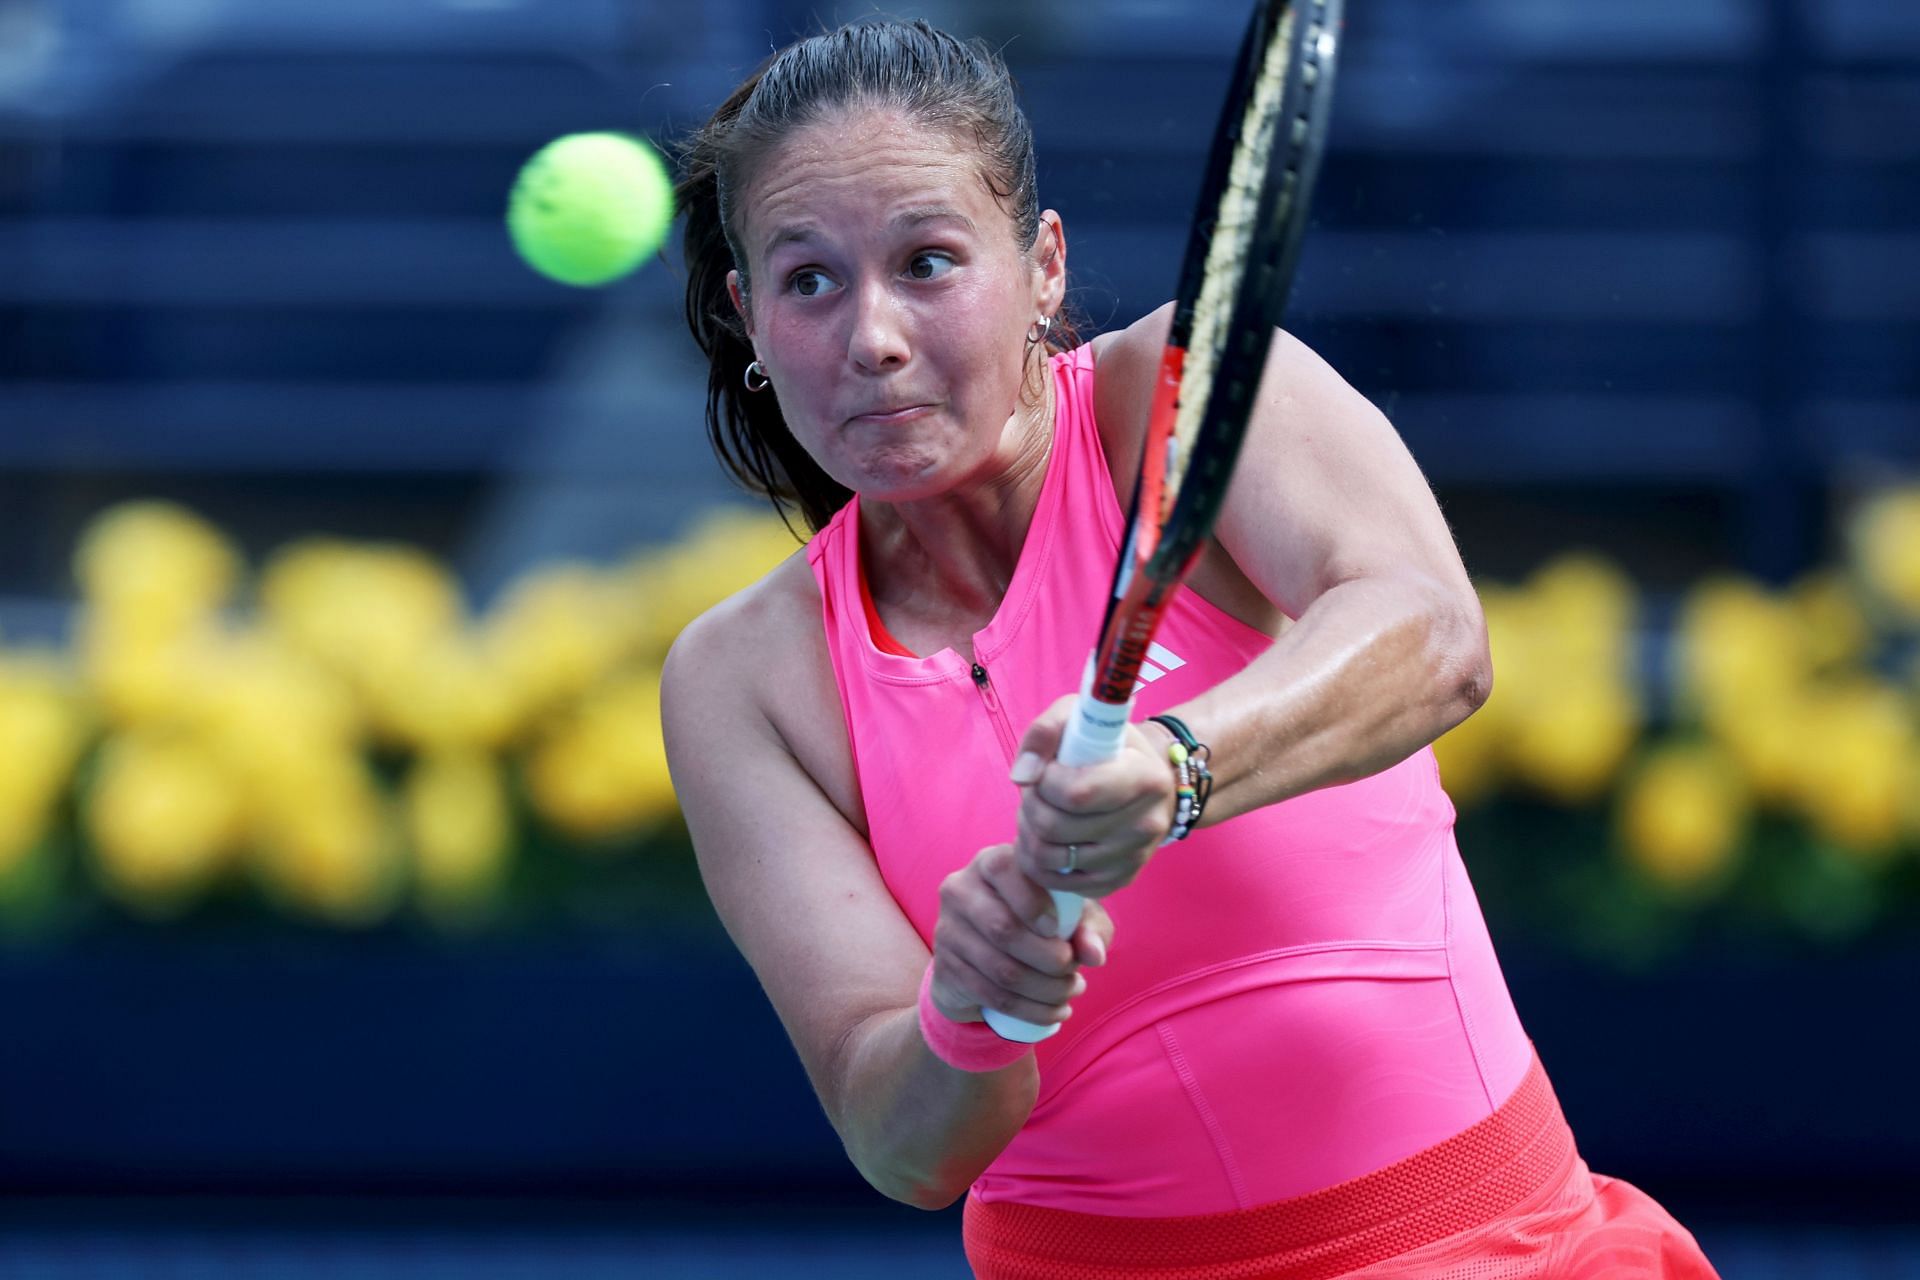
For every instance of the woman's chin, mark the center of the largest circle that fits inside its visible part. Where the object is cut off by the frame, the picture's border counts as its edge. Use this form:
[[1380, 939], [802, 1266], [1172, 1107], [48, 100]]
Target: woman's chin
[[903, 479]]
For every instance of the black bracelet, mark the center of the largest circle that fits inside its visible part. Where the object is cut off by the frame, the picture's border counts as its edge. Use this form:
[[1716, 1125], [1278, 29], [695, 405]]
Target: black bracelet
[[1192, 779]]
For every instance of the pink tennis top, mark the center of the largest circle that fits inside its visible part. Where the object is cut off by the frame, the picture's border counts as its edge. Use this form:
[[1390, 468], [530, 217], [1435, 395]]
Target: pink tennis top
[[1297, 996]]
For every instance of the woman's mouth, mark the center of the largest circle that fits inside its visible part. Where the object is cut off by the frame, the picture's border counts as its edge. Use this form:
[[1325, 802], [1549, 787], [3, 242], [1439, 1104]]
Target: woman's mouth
[[890, 415]]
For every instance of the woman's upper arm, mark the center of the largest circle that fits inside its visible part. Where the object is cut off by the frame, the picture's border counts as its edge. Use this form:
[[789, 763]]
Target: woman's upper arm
[[1325, 490], [792, 879]]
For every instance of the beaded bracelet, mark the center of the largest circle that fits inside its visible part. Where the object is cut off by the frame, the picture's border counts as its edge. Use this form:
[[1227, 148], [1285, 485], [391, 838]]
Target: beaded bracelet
[[1193, 781]]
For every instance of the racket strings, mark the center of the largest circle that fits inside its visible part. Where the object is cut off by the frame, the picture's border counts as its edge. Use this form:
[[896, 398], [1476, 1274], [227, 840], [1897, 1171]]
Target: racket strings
[[1235, 225], [1318, 48]]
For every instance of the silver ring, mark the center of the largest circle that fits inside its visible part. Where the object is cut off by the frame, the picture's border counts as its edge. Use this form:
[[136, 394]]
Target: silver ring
[[1073, 859]]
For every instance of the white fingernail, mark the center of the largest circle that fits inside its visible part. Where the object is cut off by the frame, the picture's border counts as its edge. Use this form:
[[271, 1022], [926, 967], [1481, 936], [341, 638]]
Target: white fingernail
[[1026, 768]]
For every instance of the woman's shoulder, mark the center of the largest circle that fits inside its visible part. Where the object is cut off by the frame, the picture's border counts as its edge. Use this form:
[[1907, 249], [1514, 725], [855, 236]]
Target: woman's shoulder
[[756, 666], [735, 639], [1125, 362]]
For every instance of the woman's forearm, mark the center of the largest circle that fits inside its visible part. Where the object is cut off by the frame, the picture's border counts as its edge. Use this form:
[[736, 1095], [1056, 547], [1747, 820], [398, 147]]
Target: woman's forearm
[[919, 1130], [1374, 670]]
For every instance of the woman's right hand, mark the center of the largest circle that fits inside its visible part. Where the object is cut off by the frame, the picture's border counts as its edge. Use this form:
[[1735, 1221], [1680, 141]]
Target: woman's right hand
[[995, 945]]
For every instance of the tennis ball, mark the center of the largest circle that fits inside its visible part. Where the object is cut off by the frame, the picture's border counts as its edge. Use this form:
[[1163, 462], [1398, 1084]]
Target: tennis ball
[[590, 207]]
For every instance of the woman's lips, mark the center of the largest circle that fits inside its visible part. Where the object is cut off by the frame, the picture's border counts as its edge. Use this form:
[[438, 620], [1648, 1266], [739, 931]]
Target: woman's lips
[[888, 417]]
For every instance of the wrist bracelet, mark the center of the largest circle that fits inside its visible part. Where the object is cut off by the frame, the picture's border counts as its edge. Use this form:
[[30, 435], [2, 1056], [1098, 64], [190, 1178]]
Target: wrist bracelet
[[965, 1046], [1193, 781]]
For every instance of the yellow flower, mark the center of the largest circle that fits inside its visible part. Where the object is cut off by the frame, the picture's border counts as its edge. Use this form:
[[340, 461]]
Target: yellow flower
[[155, 565], [453, 692], [1682, 815], [44, 726], [455, 806], [164, 818], [1765, 736], [1857, 740], [1588, 607], [267, 708], [1834, 626], [366, 611], [602, 771], [555, 634], [327, 845], [1737, 642], [1571, 740], [1886, 545], [143, 677]]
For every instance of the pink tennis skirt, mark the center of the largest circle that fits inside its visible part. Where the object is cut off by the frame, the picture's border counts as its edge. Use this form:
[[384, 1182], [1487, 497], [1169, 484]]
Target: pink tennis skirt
[[1508, 1199]]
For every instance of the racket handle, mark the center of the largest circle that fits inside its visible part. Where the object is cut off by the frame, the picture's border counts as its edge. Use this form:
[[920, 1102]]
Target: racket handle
[[1066, 908], [1094, 733], [1095, 730]]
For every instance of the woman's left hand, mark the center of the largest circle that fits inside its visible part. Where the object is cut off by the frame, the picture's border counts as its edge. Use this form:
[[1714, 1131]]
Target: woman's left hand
[[1107, 819]]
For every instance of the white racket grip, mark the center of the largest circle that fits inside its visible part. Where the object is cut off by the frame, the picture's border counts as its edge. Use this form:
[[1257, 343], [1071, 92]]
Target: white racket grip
[[1094, 733], [1067, 908], [1095, 730]]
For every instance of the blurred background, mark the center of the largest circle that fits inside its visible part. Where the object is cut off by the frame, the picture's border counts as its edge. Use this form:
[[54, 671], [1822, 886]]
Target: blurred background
[[346, 922]]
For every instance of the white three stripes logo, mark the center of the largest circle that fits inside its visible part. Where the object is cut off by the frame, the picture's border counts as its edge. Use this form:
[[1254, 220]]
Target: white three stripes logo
[[1165, 657]]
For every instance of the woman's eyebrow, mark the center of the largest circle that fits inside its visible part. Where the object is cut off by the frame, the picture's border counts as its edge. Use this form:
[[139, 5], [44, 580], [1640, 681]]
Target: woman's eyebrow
[[905, 220], [797, 233], [931, 213]]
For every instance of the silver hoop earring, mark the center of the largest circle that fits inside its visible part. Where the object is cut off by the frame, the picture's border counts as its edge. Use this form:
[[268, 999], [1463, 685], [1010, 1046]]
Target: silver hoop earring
[[1039, 331], [757, 370]]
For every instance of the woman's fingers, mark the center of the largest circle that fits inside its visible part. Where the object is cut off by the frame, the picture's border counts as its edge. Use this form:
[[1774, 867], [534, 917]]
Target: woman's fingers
[[995, 946], [1105, 820], [979, 990], [1094, 938]]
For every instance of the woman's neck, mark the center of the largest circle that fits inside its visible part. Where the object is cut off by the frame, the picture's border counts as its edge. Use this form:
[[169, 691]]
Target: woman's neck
[[938, 568]]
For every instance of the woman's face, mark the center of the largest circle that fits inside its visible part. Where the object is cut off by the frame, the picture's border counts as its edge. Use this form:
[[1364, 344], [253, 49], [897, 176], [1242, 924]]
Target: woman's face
[[889, 302]]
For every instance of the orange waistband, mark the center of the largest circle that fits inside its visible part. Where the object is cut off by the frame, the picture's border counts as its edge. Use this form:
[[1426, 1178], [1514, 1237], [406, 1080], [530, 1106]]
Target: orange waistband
[[1500, 1164]]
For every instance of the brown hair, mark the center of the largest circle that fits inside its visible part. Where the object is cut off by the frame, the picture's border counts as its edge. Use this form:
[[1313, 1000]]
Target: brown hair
[[931, 77]]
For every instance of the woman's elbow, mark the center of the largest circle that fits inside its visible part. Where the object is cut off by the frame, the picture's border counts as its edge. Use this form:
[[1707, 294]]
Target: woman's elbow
[[934, 1199], [913, 1193], [1465, 667]]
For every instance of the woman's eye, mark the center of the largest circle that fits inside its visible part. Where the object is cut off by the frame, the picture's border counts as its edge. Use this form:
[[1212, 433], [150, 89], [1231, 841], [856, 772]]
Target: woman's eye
[[809, 283], [929, 265]]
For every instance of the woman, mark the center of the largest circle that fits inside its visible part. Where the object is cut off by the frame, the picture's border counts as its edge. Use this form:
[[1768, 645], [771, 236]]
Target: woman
[[1295, 1054]]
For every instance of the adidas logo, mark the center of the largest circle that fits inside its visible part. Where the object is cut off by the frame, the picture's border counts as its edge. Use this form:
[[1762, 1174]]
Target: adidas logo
[[1158, 662]]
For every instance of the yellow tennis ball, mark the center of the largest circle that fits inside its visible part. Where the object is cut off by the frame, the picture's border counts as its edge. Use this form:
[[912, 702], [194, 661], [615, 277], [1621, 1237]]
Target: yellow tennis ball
[[589, 208]]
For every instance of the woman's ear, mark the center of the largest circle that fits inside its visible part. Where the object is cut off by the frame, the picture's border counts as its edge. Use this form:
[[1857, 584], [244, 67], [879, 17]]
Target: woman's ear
[[740, 306], [1050, 260]]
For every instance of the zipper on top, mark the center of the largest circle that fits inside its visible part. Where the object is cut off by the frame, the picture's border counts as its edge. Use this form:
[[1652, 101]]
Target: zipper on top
[[984, 683]]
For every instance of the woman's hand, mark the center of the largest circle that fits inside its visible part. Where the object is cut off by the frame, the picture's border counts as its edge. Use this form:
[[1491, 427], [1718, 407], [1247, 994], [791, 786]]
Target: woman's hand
[[1107, 819], [995, 945]]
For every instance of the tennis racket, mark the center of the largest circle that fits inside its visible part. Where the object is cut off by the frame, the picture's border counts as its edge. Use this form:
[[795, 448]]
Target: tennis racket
[[1233, 289]]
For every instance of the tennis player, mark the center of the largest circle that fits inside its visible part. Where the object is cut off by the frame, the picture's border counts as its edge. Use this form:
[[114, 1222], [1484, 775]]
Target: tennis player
[[1290, 1051]]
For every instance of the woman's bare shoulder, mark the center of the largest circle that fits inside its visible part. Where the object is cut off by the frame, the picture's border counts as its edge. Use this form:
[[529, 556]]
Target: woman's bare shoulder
[[743, 627], [1125, 362], [759, 659]]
